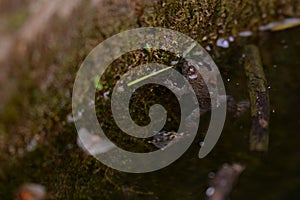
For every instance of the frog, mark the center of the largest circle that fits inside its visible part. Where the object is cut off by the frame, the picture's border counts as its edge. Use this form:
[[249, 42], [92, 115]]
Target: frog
[[207, 100], [237, 108]]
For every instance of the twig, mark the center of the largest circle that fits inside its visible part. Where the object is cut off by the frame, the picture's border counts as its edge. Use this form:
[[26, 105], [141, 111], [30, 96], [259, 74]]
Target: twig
[[259, 99], [222, 183]]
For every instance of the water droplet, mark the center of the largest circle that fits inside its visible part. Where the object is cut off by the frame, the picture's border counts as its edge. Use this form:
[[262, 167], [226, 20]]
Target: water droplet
[[70, 118], [120, 89], [221, 42], [92, 102], [105, 95], [69, 146], [210, 191], [32, 144], [245, 33], [79, 114], [11, 149], [198, 53], [211, 175], [193, 76], [208, 48], [201, 144], [174, 62], [91, 143], [264, 15]]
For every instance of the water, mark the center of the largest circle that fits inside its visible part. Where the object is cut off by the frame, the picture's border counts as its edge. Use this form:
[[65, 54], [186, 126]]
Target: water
[[271, 175]]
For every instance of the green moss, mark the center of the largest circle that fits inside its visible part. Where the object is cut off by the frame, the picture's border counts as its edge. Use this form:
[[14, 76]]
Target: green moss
[[205, 21], [57, 162], [13, 21], [18, 19]]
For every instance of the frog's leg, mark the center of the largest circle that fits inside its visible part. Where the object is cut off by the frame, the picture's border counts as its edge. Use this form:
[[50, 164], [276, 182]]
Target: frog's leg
[[237, 108]]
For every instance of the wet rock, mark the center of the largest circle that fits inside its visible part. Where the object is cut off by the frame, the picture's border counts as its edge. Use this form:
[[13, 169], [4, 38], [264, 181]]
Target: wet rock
[[31, 191]]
